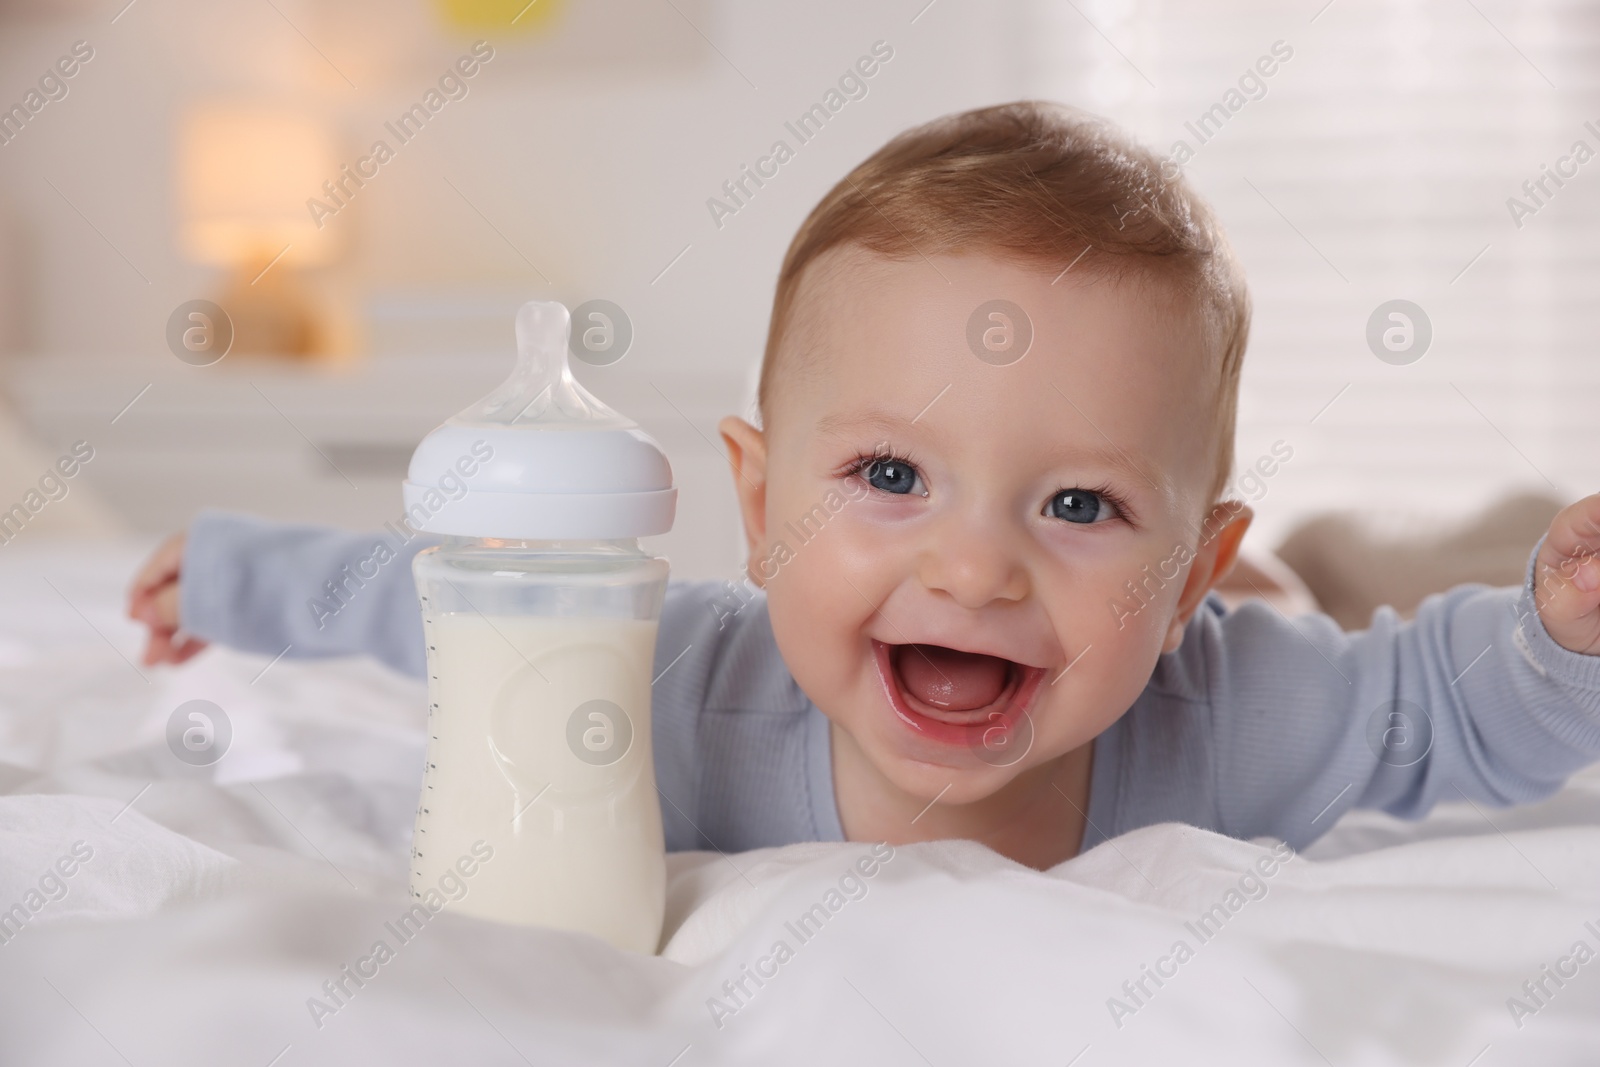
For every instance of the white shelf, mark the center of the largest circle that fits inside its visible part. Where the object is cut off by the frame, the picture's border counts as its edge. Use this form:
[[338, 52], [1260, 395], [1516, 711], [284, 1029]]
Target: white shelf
[[258, 436]]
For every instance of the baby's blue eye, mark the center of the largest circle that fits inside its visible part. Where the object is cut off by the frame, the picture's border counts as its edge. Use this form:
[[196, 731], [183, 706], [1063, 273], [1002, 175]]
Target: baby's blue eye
[[1080, 506], [891, 476]]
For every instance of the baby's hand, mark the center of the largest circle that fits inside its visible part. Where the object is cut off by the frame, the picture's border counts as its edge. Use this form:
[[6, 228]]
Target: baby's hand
[[1567, 577], [153, 600]]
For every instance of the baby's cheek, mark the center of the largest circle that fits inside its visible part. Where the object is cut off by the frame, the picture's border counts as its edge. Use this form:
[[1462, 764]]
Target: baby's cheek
[[1141, 592], [800, 575], [1124, 627], [1113, 669], [822, 586], [1131, 623], [788, 562], [813, 639], [816, 543]]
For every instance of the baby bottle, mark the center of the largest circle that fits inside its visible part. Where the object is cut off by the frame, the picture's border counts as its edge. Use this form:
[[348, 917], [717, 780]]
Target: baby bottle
[[539, 801]]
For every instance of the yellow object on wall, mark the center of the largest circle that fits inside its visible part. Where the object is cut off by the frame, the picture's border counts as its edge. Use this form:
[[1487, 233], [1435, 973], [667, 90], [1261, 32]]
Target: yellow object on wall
[[500, 16]]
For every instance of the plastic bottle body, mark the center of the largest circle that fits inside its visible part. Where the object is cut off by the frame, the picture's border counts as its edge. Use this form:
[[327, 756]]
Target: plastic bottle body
[[539, 753]]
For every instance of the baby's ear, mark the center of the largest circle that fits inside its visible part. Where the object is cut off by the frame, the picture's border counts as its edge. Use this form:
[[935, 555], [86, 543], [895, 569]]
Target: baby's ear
[[747, 457], [1220, 534]]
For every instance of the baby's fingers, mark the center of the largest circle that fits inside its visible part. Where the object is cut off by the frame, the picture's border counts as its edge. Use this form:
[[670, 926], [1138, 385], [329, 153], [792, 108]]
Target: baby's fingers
[[157, 647], [187, 649], [161, 568], [1567, 577], [163, 607], [158, 608], [1567, 594], [1574, 534], [166, 646]]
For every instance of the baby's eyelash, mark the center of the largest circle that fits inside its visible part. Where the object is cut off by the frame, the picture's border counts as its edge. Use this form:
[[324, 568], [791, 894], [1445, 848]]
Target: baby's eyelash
[[1118, 501], [864, 460]]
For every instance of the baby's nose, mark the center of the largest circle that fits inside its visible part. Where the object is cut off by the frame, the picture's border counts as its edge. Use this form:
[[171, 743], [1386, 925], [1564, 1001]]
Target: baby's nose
[[973, 564]]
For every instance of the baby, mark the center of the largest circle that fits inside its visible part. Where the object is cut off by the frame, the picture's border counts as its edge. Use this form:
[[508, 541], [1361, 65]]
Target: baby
[[987, 505]]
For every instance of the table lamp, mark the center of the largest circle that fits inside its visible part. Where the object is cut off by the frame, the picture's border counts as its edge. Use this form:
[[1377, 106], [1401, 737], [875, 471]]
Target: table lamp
[[245, 172]]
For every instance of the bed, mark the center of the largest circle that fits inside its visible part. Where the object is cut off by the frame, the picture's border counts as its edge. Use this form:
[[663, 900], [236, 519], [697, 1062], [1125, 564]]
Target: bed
[[219, 911]]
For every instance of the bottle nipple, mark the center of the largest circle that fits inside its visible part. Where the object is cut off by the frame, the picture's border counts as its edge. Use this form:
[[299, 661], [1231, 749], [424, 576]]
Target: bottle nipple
[[541, 393], [545, 459]]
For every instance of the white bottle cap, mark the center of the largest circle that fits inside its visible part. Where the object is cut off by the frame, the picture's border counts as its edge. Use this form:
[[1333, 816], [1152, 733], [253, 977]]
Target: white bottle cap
[[540, 458]]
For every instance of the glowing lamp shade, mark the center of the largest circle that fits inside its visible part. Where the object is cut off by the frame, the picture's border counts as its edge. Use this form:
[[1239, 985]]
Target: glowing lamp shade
[[245, 172]]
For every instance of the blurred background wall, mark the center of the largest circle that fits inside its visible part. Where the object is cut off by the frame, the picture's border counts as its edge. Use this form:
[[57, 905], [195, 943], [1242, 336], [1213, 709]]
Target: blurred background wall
[[1376, 162]]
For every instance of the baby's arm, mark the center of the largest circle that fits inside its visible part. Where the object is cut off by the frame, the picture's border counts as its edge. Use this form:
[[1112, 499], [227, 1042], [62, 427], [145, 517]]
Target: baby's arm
[[1487, 695], [275, 588]]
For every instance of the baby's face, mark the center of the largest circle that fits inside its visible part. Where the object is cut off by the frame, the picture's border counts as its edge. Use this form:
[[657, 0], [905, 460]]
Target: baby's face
[[945, 541]]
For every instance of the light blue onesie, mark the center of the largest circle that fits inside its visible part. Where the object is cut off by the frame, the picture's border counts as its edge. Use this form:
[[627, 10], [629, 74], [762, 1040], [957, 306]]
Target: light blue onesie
[[1253, 726]]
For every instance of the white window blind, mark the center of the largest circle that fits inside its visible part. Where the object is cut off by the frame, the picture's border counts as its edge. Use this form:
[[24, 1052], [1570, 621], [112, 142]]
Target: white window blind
[[1376, 164]]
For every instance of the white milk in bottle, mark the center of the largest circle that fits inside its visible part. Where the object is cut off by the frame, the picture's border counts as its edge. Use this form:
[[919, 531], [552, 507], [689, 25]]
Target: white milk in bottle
[[539, 612]]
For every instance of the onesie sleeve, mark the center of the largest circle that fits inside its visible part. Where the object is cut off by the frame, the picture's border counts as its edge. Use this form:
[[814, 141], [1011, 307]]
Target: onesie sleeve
[[1471, 700], [303, 591]]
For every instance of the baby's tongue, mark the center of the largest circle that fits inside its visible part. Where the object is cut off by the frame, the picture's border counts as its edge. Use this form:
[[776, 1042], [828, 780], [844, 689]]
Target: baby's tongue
[[950, 680]]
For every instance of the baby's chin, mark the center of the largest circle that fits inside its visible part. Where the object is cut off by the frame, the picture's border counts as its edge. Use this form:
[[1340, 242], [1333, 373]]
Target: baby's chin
[[949, 785]]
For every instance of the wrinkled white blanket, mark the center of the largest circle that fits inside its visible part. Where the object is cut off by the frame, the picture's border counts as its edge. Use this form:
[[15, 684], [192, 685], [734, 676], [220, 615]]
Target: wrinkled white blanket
[[180, 915]]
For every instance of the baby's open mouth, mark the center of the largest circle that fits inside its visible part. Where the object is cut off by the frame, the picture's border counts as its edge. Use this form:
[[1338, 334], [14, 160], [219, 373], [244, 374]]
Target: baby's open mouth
[[950, 694]]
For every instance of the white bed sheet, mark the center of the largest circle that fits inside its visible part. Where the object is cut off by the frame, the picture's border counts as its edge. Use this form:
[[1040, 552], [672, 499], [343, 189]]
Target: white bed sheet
[[219, 900]]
